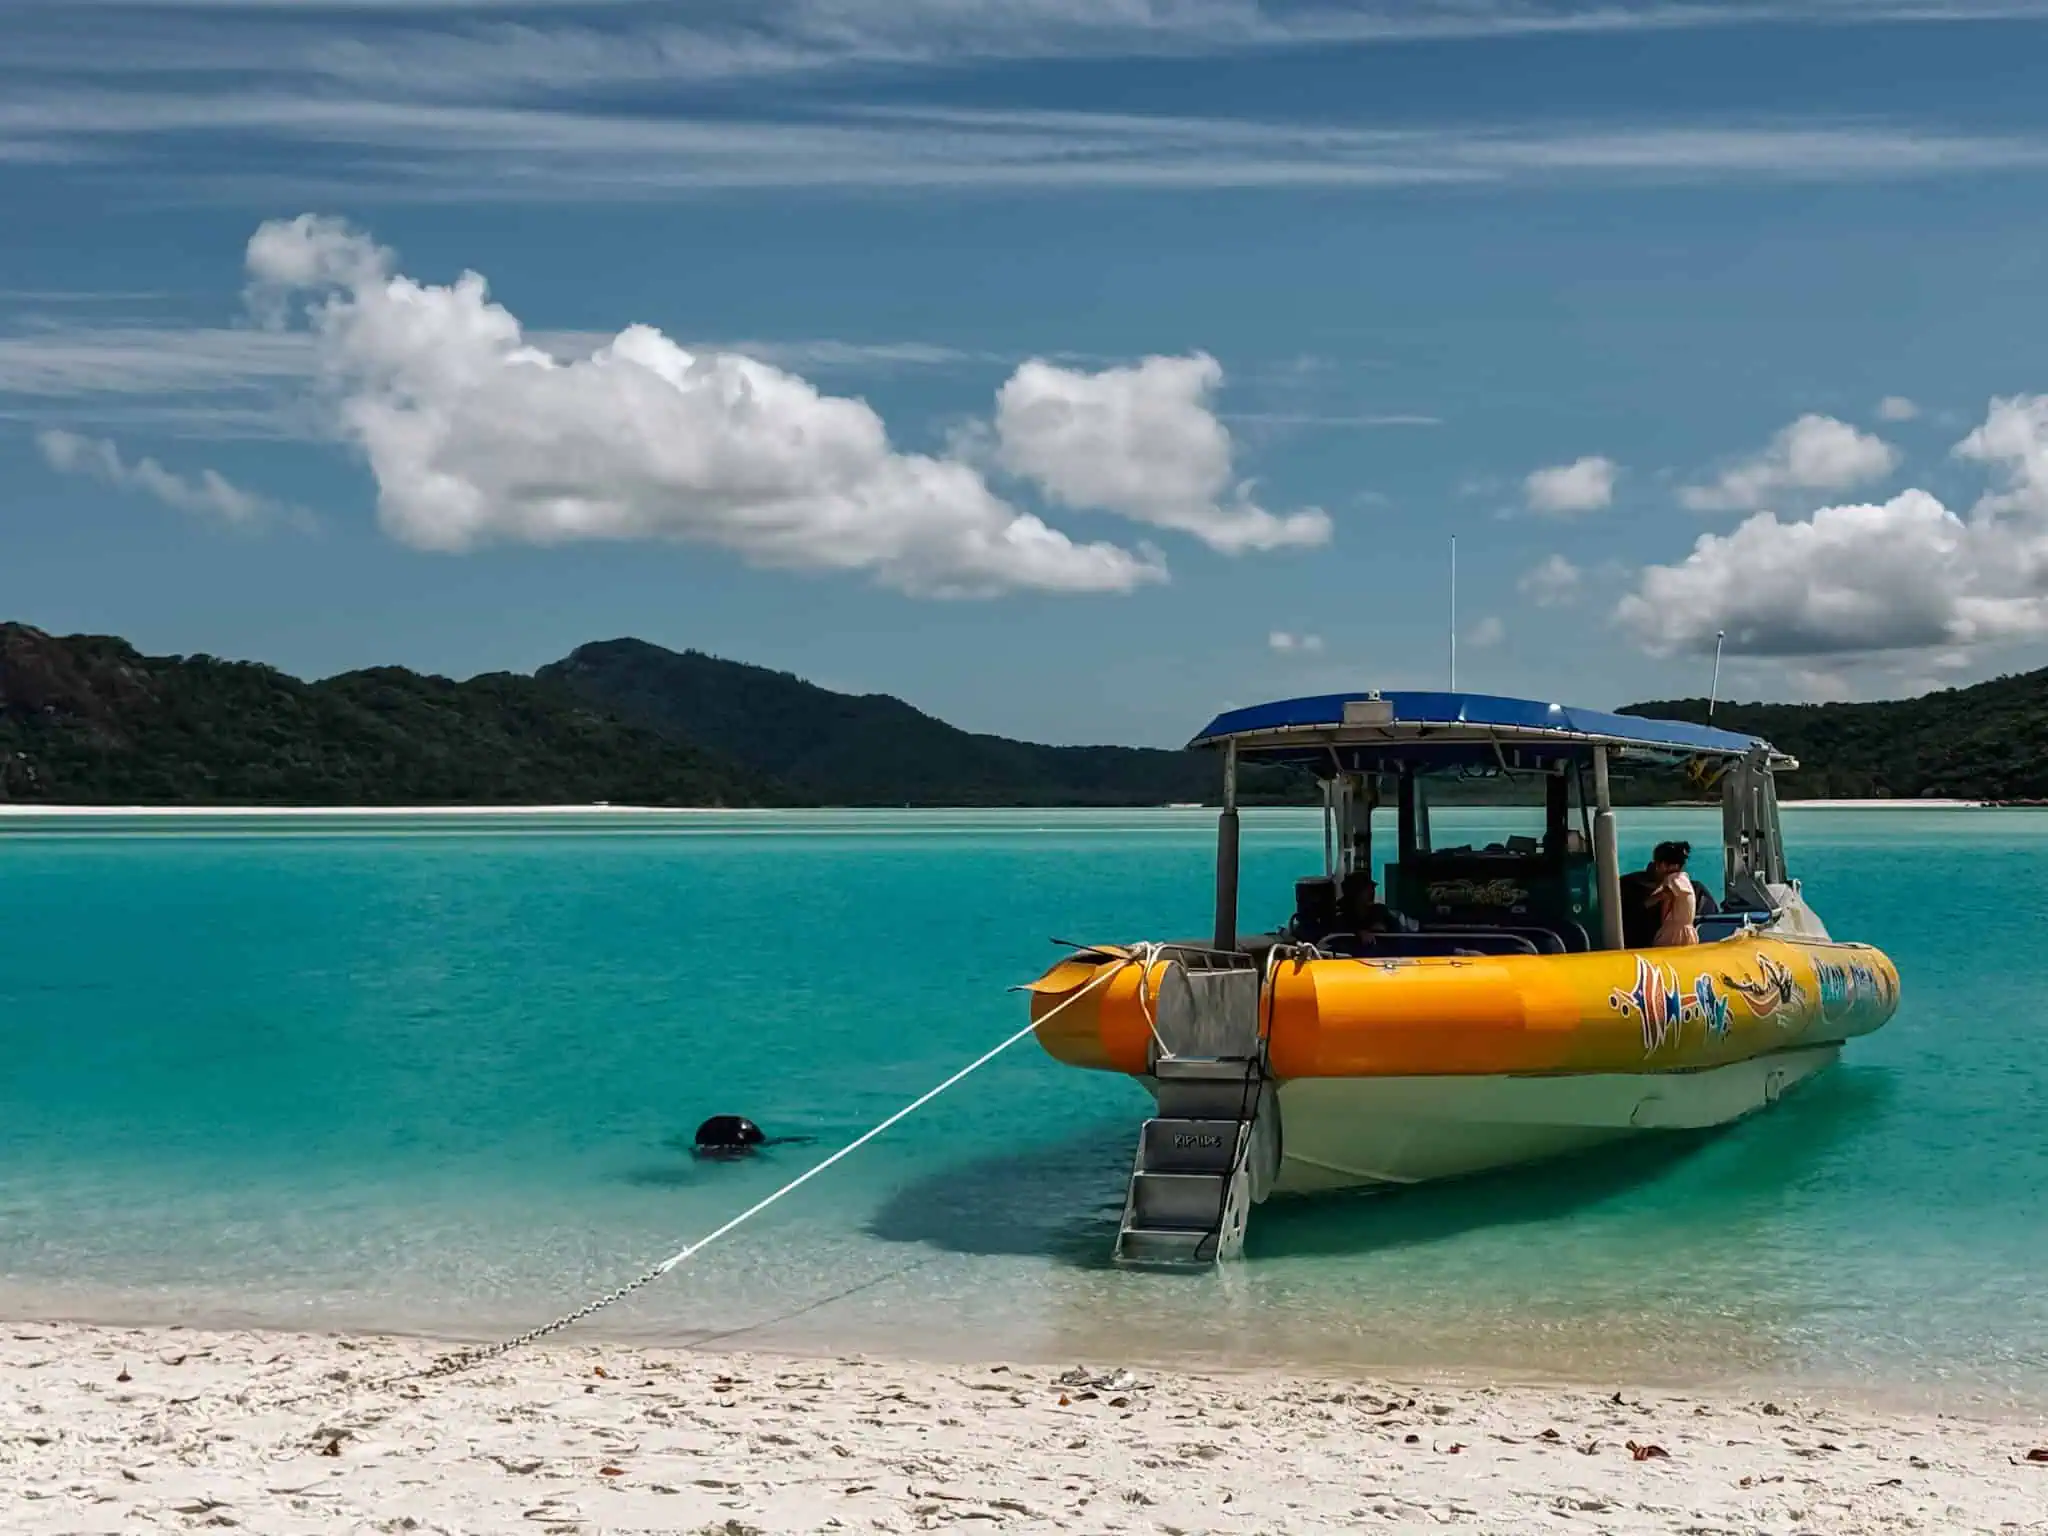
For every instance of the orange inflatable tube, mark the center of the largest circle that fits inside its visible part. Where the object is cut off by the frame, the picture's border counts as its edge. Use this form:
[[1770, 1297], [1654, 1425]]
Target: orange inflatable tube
[[1611, 1011]]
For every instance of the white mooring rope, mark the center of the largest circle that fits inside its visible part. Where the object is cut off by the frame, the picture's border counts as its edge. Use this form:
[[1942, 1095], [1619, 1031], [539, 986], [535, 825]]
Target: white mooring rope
[[463, 1360]]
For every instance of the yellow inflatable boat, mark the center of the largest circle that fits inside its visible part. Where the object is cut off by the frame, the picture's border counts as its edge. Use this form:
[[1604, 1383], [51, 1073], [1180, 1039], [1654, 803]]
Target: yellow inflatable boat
[[1502, 1003]]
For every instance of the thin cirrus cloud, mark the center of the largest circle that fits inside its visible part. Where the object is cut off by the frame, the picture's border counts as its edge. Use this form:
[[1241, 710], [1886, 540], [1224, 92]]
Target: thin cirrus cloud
[[1569, 490], [475, 435], [522, 152], [526, 100], [438, 45], [184, 381], [231, 382], [208, 495], [74, 361], [1904, 575], [1814, 453]]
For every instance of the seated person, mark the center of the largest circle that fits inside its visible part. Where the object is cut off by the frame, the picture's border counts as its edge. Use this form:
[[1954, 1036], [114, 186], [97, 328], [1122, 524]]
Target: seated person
[[1365, 914], [1640, 912], [1655, 909], [1676, 898]]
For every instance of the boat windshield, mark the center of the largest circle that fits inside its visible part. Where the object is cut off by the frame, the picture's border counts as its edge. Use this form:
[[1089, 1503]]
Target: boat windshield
[[1501, 861]]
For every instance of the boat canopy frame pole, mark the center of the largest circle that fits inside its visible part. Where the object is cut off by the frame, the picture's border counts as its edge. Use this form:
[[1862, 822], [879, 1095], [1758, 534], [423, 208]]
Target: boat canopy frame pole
[[1606, 852], [1347, 831], [1340, 826], [1752, 839], [1411, 815], [1225, 936], [1367, 801]]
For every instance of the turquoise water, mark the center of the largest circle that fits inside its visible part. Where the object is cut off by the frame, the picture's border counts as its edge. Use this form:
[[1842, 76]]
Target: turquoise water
[[440, 1075]]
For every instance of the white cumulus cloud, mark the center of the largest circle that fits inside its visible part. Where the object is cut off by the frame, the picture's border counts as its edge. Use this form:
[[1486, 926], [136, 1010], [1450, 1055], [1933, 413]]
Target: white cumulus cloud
[[1584, 485], [1903, 574], [209, 494], [1288, 643], [1554, 583], [1814, 453], [1908, 576], [1896, 408], [475, 434], [1487, 632], [1143, 442], [2014, 439]]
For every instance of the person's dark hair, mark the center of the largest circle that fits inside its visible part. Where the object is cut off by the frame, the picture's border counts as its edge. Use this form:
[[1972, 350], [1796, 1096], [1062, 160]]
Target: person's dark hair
[[1671, 853]]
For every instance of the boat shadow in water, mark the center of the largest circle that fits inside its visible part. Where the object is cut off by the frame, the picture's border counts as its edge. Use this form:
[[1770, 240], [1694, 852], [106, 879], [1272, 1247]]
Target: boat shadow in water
[[1063, 1200], [1756, 1161], [1060, 1200]]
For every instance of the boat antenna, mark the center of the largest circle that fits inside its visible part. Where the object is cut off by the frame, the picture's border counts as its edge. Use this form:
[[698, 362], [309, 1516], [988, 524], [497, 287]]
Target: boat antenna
[[1714, 692], [1454, 613]]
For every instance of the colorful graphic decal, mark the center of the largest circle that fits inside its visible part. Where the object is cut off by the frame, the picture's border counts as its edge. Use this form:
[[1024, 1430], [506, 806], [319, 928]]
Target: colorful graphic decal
[[1845, 988], [1772, 996], [1664, 1008]]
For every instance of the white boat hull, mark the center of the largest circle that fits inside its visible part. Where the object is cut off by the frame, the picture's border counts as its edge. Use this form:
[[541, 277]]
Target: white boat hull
[[1350, 1133]]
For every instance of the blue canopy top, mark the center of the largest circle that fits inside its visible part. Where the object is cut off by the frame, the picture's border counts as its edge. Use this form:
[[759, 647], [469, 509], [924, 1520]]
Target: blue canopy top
[[1368, 729]]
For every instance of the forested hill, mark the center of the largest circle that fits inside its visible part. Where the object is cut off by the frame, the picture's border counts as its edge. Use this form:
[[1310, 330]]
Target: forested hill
[[1985, 742], [89, 720], [872, 749]]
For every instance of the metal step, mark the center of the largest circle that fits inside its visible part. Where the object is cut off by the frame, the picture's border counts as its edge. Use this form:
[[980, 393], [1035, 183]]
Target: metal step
[[1177, 1201], [1232, 1069], [1178, 1144], [1207, 1155], [1142, 1245], [1205, 1098]]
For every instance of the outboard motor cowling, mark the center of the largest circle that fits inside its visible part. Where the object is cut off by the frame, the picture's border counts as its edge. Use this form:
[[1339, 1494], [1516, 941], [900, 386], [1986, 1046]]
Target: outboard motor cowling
[[728, 1136]]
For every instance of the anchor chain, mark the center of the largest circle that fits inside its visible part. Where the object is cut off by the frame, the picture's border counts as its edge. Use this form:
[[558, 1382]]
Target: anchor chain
[[465, 1359]]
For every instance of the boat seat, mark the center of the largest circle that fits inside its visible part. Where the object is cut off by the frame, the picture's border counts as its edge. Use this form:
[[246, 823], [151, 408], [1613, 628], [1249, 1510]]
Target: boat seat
[[1714, 926], [1315, 905], [1544, 941], [1393, 945], [1492, 941]]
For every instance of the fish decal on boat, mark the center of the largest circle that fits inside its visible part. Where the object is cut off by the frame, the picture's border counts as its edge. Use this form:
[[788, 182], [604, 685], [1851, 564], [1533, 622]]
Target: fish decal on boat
[[1664, 1010], [1772, 996]]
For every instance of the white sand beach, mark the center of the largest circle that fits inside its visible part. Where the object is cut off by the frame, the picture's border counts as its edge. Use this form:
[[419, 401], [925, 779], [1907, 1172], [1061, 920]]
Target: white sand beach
[[1883, 805], [38, 810], [164, 1429]]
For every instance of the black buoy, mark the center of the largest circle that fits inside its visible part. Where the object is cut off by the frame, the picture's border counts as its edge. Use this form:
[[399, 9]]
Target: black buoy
[[728, 1136]]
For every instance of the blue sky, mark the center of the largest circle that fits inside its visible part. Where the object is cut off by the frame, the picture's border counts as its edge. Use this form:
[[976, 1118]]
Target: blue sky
[[1071, 370]]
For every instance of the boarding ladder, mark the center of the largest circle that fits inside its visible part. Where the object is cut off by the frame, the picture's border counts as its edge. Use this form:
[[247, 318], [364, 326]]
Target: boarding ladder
[[1213, 1149]]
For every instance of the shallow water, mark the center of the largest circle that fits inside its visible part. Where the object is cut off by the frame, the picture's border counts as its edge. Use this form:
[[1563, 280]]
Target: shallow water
[[440, 1075]]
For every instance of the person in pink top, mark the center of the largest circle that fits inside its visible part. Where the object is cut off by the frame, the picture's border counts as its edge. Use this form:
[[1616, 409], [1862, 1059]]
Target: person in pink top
[[1674, 896]]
